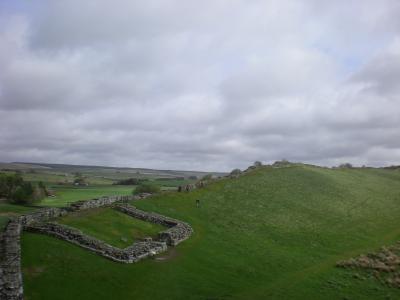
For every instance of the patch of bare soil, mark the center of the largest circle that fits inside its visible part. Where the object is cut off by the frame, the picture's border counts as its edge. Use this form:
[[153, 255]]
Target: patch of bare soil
[[33, 271], [384, 264], [170, 254], [8, 214]]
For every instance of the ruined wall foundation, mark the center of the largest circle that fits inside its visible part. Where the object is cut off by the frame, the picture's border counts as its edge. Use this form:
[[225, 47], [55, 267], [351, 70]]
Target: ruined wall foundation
[[178, 231], [133, 253], [10, 268], [11, 285]]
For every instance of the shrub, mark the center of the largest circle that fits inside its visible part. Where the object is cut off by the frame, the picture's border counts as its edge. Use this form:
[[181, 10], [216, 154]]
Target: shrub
[[9, 184], [80, 181], [24, 194], [236, 172], [17, 191], [207, 177], [257, 164], [130, 181], [147, 188], [281, 163], [346, 166]]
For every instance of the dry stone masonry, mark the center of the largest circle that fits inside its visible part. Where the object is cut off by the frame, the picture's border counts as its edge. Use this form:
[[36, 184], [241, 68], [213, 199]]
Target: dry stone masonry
[[42, 215], [103, 201], [10, 268], [11, 287], [178, 231], [133, 253]]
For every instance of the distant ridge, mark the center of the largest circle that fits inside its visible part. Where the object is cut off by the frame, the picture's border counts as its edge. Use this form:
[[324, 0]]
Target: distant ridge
[[78, 168]]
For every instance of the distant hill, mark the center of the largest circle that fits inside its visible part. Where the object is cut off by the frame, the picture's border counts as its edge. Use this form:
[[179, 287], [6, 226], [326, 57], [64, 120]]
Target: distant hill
[[21, 166], [106, 171], [392, 168]]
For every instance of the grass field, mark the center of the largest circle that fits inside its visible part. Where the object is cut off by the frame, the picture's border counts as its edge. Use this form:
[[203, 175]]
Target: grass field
[[275, 233], [64, 196], [54, 177], [111, 226], [68, 194], [10, 210]]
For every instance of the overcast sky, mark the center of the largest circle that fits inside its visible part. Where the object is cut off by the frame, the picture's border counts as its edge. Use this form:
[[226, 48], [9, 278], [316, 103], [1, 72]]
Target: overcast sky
[[201, 85]]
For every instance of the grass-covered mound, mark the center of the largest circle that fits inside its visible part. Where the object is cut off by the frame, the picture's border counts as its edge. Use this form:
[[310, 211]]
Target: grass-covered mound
[[275, 233], [111, 226]]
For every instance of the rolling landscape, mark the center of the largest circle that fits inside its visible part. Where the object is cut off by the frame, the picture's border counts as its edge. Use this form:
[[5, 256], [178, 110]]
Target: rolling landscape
[[272, 232]]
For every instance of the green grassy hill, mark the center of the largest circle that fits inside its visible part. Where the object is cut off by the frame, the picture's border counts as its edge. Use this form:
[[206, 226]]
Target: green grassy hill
[[274, 233]]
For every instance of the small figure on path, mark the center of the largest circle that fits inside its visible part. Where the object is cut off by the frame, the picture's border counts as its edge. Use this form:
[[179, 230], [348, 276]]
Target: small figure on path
[[197, 203]]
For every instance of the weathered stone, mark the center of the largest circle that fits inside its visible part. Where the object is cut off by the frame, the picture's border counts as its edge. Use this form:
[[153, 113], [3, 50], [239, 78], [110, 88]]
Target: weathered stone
[[42, 215], [133, 253], [103, 201], [10, 274], [178, 231]]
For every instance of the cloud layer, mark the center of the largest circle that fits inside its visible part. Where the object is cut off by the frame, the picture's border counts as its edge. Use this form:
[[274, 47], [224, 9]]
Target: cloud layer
[[209, 85]]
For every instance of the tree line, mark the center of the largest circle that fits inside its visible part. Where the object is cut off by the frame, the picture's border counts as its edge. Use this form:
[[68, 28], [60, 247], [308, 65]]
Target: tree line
[[18, 191]]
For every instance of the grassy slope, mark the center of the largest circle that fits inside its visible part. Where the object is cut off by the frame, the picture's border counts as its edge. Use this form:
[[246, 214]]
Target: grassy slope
[[272, 234], [110, 226]]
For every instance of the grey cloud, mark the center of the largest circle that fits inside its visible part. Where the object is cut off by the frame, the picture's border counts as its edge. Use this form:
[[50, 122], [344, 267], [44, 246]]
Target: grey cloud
[[382, 73], [200, 85]]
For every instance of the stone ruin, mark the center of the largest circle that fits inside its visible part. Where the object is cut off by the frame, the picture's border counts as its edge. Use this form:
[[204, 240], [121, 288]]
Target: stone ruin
[[103, 201], [10, 265], [133, 253], [178, 231], [383, 264], [11, 285], [190, 187]]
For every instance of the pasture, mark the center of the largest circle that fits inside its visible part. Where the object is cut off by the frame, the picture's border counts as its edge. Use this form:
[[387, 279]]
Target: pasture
[[274, 233]]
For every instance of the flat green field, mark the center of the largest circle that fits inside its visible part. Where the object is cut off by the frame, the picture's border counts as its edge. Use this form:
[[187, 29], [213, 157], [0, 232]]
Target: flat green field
[[275, 233], [111, 226], [56, 177], [64, 196], [68, 194]]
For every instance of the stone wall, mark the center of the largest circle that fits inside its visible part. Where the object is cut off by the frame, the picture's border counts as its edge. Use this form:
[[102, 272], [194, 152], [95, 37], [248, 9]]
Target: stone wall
[[42, 215], [106, 201], [103, 201], [178, 231], [133, 253], [10, 268]]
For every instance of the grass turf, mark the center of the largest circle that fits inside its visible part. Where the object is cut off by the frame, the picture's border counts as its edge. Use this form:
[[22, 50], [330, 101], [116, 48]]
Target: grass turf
[[68, 194], [10, 210], [275, 233], [111, 226]]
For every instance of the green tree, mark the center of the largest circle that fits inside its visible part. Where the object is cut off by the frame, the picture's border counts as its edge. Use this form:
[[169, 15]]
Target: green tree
[[207, 177], [23, 194], [147, 188], [9, 184], [235, 173], [18, 191]]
